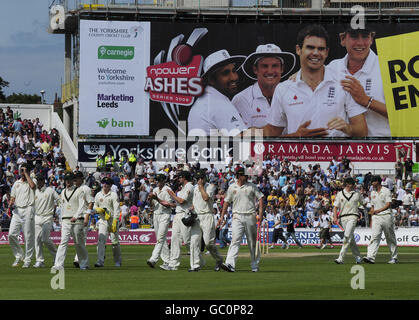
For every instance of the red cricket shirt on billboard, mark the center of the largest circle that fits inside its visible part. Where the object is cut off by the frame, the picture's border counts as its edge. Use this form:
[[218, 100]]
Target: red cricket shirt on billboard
[[325, 151]]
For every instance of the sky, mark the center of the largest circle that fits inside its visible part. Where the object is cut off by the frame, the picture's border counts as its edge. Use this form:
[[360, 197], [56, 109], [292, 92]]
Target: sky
[[31, 59]]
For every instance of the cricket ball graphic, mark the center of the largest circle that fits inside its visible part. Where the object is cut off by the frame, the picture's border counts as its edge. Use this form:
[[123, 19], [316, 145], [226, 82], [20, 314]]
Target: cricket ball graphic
[[182, 54]]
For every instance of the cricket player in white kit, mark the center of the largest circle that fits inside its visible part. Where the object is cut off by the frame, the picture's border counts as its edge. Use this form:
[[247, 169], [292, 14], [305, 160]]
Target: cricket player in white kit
[[242, 195], [204, 226], [363, 78], [382, 220], [347, 203], [72, 206], [22, 200], [107, 206], [46, 200], [213, 113], [162, 204], [314, 105], [267, 65], [88, 206], [179, 230]]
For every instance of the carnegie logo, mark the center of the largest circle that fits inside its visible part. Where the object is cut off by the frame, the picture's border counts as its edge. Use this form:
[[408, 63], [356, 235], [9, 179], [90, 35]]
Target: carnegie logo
[[115, 52], [172, 83]]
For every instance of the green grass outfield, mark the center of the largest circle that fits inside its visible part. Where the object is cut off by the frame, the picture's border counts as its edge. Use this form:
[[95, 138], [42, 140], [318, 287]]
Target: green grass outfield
[[306, 273]]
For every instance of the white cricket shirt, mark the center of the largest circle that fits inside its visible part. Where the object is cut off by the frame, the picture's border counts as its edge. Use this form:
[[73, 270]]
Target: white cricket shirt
[[201, 206], [108, 201], [370, 77], [214, 114], [252, 106], [348, 202], [379, 200], [186, 194], [294, 103], [45, 199], [72, 202], [162, 195], [23, 194], [243, 197]]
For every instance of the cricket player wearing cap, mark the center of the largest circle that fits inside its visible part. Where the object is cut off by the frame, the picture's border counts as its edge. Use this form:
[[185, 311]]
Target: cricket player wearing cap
[[22, 200], [347, 203], [213, 113], [162, 205], [107, 206], [88, 206], [242, 195], [204, 227], [72, 216], [382, 220], [313, 105], [46, 200], [183, 205], [362, 80], [267, 65]]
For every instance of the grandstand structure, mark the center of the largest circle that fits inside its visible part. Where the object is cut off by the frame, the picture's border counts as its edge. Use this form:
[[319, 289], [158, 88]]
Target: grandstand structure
[[66, 21]]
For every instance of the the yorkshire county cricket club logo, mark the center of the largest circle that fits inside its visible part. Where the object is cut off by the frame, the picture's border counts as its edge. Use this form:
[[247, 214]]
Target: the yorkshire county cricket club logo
[[176, 81]]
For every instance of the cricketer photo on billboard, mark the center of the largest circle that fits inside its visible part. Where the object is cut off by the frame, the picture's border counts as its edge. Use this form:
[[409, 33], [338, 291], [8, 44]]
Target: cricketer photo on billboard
[[220, 79]]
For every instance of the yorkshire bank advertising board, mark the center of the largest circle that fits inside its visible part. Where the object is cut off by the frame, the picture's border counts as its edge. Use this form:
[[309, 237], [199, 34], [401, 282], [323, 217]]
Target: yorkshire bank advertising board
[[137, 78]]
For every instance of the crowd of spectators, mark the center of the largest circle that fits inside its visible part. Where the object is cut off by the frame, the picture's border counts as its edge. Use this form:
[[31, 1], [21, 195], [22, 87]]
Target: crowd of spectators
[[27, 141], [288, 186]]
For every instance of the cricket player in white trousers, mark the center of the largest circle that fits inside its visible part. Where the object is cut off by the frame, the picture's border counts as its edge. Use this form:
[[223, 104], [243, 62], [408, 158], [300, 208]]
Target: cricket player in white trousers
[[107, 206], [87, 209], [46, 200], [347, 203], [72, 204], [382, 220], [204, 227], [243, 196], [22, 200], [162, 204], [179, 230]]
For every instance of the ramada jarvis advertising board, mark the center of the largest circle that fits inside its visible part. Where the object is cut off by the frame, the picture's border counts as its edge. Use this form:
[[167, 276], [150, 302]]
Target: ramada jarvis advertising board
[[326, 151]]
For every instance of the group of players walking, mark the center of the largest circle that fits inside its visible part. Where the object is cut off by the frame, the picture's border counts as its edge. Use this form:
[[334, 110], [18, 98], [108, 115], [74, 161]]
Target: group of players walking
[[33, 205]]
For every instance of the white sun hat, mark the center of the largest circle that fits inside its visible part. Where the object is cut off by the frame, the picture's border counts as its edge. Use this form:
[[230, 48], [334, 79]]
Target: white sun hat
[[269, 50], [218, 59]]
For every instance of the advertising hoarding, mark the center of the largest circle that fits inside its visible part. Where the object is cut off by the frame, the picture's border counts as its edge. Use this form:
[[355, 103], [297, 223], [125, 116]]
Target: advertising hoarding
[[167, 73], [113, 58]]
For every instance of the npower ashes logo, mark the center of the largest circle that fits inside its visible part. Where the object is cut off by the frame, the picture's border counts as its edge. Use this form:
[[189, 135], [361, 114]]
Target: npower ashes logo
[[176, 81]]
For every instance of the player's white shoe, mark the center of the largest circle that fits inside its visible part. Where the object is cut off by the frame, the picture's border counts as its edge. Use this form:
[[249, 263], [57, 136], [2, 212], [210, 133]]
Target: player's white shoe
[[39, 265], [393, 261], [17, 263]]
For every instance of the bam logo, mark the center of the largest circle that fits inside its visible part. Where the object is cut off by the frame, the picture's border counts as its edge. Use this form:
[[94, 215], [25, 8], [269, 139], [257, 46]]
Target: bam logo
[[103, 123], [176, 81], [115, 124]]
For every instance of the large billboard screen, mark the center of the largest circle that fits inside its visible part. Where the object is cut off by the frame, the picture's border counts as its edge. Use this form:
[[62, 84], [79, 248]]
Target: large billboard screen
[[204, 79]]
